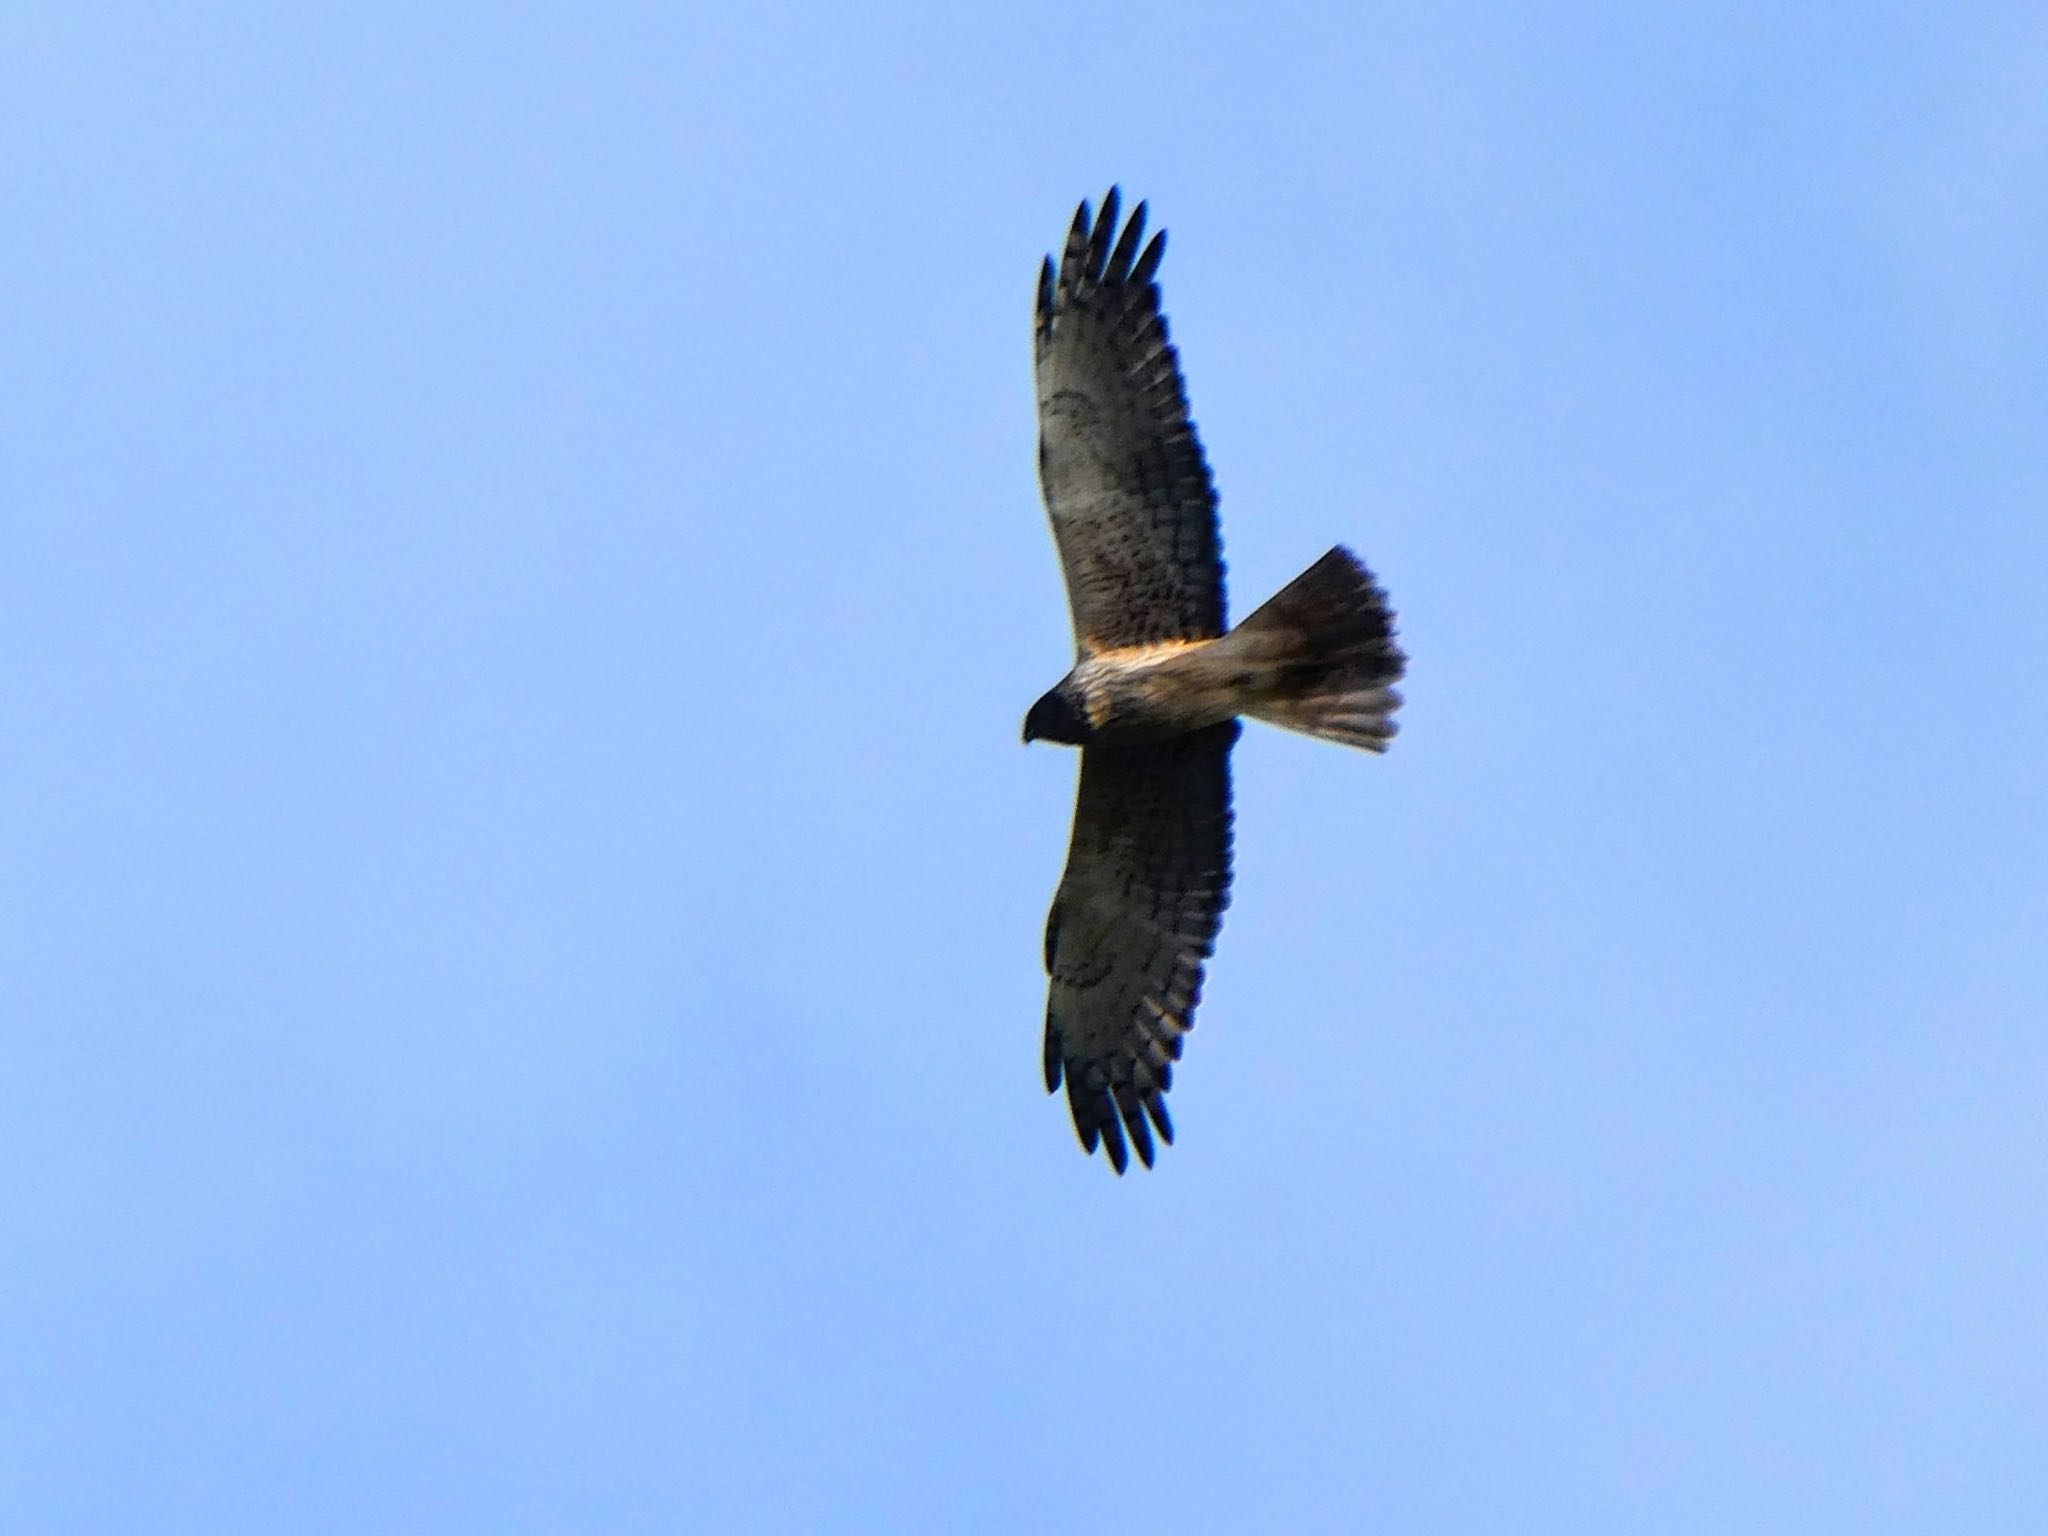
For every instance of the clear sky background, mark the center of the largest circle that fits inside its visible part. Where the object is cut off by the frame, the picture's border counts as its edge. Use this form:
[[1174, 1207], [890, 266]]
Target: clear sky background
[[520, 571]]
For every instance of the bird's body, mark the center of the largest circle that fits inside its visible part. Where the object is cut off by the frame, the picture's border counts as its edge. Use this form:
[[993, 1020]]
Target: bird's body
[[1146, 692], [1159, 682]]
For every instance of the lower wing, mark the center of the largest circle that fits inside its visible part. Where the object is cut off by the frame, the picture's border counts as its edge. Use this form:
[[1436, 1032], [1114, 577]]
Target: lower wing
[[1147, 879]]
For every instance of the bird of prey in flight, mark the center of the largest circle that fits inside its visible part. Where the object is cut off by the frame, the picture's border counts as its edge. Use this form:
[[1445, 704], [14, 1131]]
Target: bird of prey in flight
[[1159, 681]]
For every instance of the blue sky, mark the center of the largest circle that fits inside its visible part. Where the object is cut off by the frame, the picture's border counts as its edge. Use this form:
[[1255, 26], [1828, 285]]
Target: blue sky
[[520, 570]]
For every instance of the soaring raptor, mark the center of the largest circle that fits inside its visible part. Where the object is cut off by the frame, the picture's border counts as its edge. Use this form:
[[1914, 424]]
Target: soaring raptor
[[1159, 681]]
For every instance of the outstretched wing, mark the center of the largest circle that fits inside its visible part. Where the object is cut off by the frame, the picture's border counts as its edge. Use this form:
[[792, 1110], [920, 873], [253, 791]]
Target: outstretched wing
[[1132, 506], [1148, 877]]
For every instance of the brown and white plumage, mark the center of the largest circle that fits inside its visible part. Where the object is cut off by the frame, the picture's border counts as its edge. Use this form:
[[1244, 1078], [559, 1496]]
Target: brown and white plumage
[[1158, 684], [1132, 506], [1148, 877]]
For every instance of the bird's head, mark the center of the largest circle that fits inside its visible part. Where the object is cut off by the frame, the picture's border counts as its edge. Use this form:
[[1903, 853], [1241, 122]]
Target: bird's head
[[1054, 718]]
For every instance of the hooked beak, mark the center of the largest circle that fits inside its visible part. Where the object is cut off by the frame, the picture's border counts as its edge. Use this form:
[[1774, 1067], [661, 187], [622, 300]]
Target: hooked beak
[[1053, 718]]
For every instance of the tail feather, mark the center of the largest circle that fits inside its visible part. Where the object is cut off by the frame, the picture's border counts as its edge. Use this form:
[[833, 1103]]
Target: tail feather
[[1321, 655]]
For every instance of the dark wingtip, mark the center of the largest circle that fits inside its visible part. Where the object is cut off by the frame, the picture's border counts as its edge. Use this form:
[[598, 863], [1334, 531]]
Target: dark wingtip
[[1073, 262], [1127, 246], [1140, 1133], [1148, 263], [1098, 238], [1077, 1111], [1113, 1142], [1052, 1058], [1155, 1106]]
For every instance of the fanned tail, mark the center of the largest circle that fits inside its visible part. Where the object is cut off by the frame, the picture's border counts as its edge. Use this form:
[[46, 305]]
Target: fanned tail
[[1321, 655]]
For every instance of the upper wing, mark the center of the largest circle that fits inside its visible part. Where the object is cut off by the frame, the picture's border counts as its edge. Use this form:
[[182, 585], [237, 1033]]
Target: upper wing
[[1132, 505], [1148, 877]]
